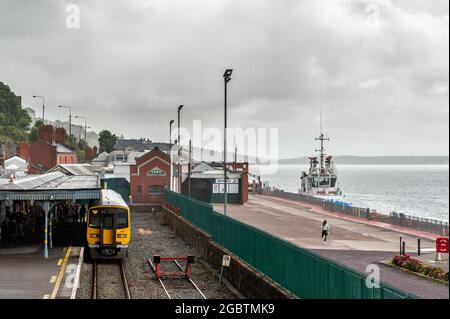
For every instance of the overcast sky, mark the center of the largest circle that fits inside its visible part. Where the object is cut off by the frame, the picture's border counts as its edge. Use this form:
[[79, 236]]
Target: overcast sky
[[382, 67]]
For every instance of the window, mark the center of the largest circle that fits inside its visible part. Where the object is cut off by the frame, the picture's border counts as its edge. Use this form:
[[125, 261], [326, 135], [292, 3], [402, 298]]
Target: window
[[324, 181], [139, 189], [156, 189], [107, 217], [94, 220], [333, 182], [108, 221], [122, 219]]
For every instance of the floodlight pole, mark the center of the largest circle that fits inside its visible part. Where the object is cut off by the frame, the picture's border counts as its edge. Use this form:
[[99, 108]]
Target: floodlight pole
[[179, 149], [170, 154], [227, 78], [43, 106]]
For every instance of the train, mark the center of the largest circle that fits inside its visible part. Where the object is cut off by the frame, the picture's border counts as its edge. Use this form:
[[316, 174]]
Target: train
[[108, 225]]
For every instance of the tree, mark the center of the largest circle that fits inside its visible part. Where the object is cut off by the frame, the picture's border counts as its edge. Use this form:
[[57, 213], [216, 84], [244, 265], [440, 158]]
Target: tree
[[14, 120], [107, 141], [34, 133]]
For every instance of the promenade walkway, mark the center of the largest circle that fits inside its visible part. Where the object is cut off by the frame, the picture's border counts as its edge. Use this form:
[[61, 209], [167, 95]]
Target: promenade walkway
[[353, 243]]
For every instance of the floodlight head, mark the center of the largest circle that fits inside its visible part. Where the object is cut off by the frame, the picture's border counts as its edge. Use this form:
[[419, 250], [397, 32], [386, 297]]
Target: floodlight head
[[180, 107], [171, 122], [228, 73]]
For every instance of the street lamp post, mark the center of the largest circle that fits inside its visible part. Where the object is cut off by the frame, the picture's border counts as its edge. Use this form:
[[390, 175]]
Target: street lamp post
[[43, 106], [226, 78], [179, 149], [85, 125], [170, 154], [70, 118]]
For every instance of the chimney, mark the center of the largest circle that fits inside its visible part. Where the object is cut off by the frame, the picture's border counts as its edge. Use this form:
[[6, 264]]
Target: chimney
[[47, 134], [60, 135]]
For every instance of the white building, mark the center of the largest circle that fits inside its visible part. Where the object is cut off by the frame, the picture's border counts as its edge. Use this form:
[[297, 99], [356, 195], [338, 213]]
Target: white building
[[15, 166]]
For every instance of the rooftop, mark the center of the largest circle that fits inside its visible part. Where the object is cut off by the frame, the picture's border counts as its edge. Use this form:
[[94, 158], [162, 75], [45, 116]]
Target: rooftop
[[140, 145], [75, 169], [50, 186]]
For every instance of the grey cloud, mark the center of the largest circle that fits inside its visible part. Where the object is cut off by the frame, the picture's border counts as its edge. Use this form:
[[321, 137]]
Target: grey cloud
[[133, 62]]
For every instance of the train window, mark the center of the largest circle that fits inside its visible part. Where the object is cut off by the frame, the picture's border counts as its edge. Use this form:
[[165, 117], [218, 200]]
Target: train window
[[94, 220], [122, 219], [108, 221]]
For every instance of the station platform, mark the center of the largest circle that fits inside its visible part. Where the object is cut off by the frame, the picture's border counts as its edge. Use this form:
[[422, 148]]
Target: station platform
[[24, 274], [352, 243]]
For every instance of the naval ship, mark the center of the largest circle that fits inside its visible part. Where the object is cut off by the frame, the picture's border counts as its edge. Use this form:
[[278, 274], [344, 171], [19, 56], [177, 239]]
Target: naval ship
[[321, 180]]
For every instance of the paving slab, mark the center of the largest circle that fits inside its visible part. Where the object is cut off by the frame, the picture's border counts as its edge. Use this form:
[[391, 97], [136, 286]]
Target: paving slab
[[26, 274]]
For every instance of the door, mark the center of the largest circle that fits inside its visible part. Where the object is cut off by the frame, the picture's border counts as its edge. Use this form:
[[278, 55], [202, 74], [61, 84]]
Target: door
[[107, 228]]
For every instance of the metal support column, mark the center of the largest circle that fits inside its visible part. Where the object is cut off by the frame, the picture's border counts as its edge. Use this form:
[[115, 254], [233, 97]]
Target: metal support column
[[50, 230], [46, 208]]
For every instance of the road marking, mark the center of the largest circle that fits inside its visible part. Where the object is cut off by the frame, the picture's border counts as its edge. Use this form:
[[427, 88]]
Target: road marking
[[46, 297], [60, 262], [77, 276], [53, 279], [61, 273]]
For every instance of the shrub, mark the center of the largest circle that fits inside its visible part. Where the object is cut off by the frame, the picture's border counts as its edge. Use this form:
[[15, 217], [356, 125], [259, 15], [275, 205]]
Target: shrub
[[417, 266]]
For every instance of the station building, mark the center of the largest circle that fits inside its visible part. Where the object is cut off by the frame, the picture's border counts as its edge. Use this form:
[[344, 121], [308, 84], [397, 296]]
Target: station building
[[149, 177], [206, 183]]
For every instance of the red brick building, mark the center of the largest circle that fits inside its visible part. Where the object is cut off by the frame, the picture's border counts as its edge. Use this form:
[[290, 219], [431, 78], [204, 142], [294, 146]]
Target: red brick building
[[48, 151], [90, 153], [149, 176]]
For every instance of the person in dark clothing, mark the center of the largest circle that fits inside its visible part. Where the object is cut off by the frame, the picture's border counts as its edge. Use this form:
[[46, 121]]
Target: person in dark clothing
[[83, 214], [325, 231]]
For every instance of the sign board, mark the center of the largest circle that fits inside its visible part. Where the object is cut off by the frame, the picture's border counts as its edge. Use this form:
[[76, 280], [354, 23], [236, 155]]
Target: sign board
[[226, 261], [231, 188], [156, 172], [229, 181], [442, 245]]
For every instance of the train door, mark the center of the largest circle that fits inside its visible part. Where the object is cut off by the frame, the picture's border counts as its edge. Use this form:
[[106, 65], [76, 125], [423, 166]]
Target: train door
[[107, 228]]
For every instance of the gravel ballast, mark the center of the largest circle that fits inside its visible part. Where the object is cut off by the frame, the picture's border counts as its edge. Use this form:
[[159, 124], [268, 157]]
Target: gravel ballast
[[149, 238]]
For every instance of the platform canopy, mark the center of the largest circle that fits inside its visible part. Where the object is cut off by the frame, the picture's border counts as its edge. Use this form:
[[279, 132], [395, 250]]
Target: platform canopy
[[50, 187]]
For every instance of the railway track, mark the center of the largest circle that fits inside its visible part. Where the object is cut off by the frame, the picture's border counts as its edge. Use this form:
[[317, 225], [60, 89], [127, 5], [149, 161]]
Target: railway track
[[178, 287], [108, 286]]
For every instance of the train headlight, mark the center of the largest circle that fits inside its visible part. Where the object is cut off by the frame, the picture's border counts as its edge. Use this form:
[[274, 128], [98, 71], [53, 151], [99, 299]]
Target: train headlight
[[94, 235]]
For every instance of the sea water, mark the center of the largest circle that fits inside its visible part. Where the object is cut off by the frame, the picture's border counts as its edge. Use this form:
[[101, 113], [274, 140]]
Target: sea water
[[416, 190]]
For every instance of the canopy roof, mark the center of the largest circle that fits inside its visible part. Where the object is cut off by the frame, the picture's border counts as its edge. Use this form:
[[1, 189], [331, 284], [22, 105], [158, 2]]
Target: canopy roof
[[50, 186]]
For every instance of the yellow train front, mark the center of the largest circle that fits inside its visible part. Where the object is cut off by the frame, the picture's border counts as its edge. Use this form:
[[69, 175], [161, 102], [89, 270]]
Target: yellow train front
[[108, 227]]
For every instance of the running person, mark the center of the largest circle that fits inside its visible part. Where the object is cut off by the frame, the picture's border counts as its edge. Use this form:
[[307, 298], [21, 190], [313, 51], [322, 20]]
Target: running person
[[325, 231]]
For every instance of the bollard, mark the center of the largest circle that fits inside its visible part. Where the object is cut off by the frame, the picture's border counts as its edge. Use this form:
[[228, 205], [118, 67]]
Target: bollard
[[401, 240], [404, 248], [418, 247]]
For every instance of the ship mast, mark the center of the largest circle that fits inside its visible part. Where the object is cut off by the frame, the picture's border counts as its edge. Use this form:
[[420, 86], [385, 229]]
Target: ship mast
[[321, 138]]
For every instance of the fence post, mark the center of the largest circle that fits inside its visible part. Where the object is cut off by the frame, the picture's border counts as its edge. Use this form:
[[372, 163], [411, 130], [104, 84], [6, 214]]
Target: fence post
[[418, 246]]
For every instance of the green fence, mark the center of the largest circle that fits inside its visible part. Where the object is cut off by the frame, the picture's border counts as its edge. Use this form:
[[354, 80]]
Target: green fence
[[300, 271]]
